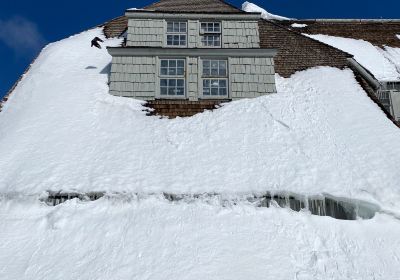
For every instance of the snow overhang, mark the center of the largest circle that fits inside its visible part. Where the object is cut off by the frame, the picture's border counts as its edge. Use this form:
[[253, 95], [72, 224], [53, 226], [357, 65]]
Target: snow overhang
[[145, 14], [134, 51]]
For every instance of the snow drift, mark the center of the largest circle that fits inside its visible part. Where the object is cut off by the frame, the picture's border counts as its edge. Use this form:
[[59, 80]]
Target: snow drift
[[61, 130], [253, 8], [384, 63]]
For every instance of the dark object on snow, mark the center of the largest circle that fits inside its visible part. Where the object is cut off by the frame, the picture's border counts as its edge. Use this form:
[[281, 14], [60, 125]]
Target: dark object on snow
[[95, 42]]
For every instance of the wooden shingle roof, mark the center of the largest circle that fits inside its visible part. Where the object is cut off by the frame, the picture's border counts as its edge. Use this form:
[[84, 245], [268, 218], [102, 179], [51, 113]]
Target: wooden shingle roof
[[199, 6], [377, 32]]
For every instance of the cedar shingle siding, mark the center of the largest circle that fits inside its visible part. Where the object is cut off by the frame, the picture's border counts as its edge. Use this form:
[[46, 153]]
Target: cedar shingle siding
[[297, 52], [379, 33], [199, 6]]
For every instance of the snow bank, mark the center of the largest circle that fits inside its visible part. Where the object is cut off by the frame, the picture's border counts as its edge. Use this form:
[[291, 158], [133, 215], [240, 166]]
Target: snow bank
[[384, 64], [298, 25], [154, 239], [61, 130], [253, 8]]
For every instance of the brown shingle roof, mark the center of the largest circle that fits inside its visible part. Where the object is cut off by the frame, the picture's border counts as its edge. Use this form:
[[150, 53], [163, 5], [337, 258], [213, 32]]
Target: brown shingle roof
[[297, 52], [211, 6], [378, 32]]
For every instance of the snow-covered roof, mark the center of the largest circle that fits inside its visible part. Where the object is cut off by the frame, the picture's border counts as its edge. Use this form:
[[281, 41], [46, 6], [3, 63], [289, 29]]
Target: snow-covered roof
[[383, 63], [253, 8], [320, 134]]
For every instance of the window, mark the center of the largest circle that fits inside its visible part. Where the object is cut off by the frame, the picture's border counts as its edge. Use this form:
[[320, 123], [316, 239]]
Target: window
[[215, 81], [210, 34], [176, 33], [172, 77]]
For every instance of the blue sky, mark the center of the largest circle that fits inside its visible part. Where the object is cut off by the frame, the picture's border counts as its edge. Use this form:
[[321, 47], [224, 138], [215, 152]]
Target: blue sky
[[26, 25]]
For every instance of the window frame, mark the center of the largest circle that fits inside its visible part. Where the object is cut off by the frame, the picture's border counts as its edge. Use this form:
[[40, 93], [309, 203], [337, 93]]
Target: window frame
[[211, 77], [168, 77], [175, 33], [203, 34]]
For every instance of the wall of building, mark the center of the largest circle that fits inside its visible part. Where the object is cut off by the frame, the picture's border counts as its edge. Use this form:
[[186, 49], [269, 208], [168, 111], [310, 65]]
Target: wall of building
[[251, 77], [151, 33], [145, 33], [133, 77], [137, 77], [240, 34]]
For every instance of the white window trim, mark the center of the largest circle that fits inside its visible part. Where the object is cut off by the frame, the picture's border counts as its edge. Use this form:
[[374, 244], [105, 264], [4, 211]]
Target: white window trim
[[210, 33], [201, 78], [159, 77], [166, 34]]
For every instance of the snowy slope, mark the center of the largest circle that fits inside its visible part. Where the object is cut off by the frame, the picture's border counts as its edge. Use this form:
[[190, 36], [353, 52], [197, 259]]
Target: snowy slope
[[61, 130], [155, 240], [384, 64], [253, 8]]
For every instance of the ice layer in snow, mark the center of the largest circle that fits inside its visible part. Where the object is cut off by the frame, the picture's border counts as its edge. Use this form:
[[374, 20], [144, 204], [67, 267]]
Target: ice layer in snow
[[253, 8], [384, 64]]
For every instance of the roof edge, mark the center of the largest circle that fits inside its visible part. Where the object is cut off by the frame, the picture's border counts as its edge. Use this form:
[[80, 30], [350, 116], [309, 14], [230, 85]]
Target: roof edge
[[154, 51], [142, 14]]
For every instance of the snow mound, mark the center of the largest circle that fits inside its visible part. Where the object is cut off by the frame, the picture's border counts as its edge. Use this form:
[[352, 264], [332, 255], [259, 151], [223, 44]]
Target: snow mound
[[384, 64], [253, 8], [299, 25], [61, 130], [154, 239]]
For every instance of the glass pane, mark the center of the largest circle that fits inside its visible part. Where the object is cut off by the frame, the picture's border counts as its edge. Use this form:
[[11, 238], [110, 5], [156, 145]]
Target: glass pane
[[164, 71], [206, 91], [171, 82], [172, 71], [171, 91], [217, 27], [214, 91], [172, 63], [180, 83], [179, 72], [169, 40], [222, 83], [222, 91], [181, 63], [164, 63], [183, 40], [214, 64], [183, 26], [214, 83], [206, 83], [170, 27], [206, 63], [163, 82], [214, 71], [163, 91], [180, 91]]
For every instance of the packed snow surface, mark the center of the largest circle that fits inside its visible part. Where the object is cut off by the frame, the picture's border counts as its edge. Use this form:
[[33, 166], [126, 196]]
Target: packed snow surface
[[299, 25], [61, 130], [384, 63], [154, 239], [253, 8]]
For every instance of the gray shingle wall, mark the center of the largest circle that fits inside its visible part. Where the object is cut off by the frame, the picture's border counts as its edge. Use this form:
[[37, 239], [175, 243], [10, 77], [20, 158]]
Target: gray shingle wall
[[137, 77], [193, 78], [133, 77], [193, 34], [251, 77], [240, 34], [145, 33], [150, 33]]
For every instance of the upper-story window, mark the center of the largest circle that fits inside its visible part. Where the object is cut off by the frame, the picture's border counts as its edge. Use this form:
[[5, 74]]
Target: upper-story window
[[176, 33], [210, 33]]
